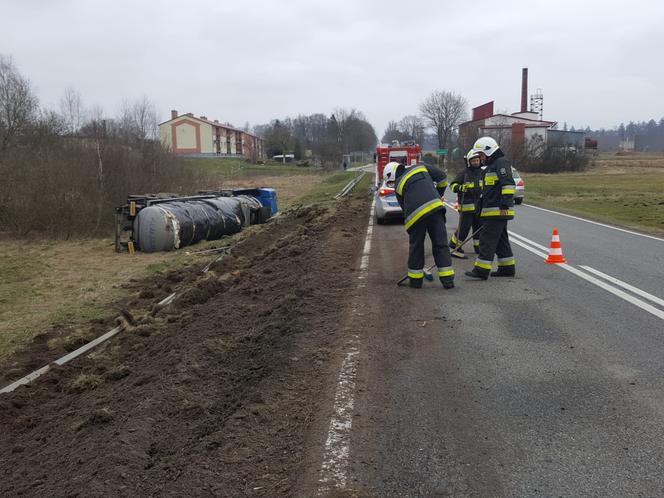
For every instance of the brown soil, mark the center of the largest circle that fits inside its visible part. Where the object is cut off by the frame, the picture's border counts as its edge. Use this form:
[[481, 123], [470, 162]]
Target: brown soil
[[212, 396]]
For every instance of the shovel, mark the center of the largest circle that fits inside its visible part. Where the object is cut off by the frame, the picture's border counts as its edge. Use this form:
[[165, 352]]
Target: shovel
[[427, 272]]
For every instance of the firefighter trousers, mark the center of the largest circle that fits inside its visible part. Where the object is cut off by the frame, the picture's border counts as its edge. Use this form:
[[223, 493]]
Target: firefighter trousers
[[434, 225], [495, 242], [467, 221]]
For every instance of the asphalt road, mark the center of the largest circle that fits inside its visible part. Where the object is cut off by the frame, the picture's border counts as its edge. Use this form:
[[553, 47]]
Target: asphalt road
[[547, 384]]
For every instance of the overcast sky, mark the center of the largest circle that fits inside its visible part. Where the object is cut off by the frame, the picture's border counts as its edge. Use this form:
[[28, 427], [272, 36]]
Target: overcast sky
[[598, 62]]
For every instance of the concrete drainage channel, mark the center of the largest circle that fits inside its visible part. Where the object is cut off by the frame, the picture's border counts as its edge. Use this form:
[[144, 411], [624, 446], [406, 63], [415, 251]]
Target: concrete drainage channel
[[348, 188]]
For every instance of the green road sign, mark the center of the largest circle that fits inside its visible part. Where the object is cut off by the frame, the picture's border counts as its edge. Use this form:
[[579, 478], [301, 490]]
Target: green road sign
[[441, 152]]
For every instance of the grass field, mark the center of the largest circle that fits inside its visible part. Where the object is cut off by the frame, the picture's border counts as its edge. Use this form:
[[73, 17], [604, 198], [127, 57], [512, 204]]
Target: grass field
[[624, 190], [46, 283]]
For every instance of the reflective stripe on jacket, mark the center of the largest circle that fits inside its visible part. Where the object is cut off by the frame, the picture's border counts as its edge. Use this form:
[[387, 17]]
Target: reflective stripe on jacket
[[419, 190], [471, 180], [498, 188]]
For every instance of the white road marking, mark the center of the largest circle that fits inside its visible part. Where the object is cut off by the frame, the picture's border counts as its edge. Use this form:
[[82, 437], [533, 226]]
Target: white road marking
[[333, 472], [595, 223], [334, 469], [519, 242], [364, 263], [627, 297], [625, 285], [524, 242], [534, 244]]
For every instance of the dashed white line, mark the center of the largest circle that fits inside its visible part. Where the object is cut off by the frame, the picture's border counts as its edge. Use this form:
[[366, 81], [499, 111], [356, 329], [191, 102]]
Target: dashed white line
[[334, 469], [333, 472], [364, 263]]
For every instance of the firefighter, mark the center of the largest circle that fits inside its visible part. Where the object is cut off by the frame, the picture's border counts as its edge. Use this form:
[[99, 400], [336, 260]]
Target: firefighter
[[467, 186], [495, 207], [419, 189]]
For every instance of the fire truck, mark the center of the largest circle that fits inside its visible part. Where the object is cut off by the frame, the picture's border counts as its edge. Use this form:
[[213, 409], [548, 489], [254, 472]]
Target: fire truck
[[405, 152]]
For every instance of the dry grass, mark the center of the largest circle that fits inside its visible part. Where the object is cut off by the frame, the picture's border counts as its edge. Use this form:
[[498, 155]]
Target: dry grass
[[632, 163], [623, 190], [47, 283], [289, 188]]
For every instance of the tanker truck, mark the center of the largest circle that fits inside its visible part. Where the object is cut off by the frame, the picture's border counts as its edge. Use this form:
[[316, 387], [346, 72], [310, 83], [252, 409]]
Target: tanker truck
[[165, 222]]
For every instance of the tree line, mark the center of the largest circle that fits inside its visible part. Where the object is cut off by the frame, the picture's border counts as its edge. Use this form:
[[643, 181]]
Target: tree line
[[646, 135], [62, 171], [326, 138]]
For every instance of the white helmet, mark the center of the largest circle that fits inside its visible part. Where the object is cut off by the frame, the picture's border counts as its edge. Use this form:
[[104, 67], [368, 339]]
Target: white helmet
[[389, 171], [471, 154], [486, 145]]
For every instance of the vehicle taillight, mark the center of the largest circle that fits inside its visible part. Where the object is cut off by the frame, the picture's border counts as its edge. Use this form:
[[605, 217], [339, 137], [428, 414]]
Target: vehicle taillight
[[385, 191], [519, 183]]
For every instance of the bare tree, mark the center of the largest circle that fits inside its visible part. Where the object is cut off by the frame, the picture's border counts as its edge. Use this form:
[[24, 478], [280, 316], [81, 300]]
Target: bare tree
[[72, 112], [354, 131], [138, 121], [18, 105], [443, 111], [392, 132], [413, 127]]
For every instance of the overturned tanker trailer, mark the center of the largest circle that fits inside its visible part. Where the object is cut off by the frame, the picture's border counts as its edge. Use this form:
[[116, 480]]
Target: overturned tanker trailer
[[166, 222]]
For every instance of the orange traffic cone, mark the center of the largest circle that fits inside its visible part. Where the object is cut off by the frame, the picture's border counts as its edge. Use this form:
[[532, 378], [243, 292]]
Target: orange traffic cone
[[555, 250]]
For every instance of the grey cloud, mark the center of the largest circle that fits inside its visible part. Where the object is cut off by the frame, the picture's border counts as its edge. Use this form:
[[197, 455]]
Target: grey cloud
[[257, 60]]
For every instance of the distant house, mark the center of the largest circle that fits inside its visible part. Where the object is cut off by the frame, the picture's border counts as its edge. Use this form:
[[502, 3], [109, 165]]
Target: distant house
[[189, 135]]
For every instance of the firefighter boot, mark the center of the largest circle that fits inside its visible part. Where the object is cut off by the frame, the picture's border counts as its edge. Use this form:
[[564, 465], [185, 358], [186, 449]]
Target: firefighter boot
[[448, 283], [477, 273], [506, 267], [415, 283], [504, 271]]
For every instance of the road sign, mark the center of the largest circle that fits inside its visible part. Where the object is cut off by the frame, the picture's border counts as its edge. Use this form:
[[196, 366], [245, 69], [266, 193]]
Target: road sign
[[441, 152]]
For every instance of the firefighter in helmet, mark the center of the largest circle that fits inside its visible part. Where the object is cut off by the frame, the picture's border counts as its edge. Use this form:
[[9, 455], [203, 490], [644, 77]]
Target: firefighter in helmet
[[467, 186], [495, 207], [419, 189]]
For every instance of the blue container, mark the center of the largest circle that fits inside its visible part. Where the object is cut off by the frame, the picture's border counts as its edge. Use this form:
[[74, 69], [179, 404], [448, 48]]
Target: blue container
[[266, 196]]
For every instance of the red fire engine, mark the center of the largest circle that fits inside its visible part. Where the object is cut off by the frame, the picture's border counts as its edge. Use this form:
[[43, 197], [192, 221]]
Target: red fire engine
[[406, 152]]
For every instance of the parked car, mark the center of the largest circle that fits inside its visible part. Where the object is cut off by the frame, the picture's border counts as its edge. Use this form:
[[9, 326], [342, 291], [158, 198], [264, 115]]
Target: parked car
[[387, 206], [520, 190]]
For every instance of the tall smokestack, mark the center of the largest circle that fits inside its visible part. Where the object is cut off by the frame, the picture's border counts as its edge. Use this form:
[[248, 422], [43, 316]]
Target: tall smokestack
[[524, 89]]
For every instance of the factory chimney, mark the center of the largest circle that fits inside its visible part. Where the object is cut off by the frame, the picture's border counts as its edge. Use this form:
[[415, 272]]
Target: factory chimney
[[524, 90]]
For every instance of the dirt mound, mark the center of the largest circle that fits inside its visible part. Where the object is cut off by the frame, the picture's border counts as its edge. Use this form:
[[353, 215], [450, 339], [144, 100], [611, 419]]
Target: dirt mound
[[211, 396], [58, 341]]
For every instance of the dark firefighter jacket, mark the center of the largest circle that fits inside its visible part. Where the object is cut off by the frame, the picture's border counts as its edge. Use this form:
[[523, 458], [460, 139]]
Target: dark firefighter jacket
[[468, 187], [498, 188], [419, 189]]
